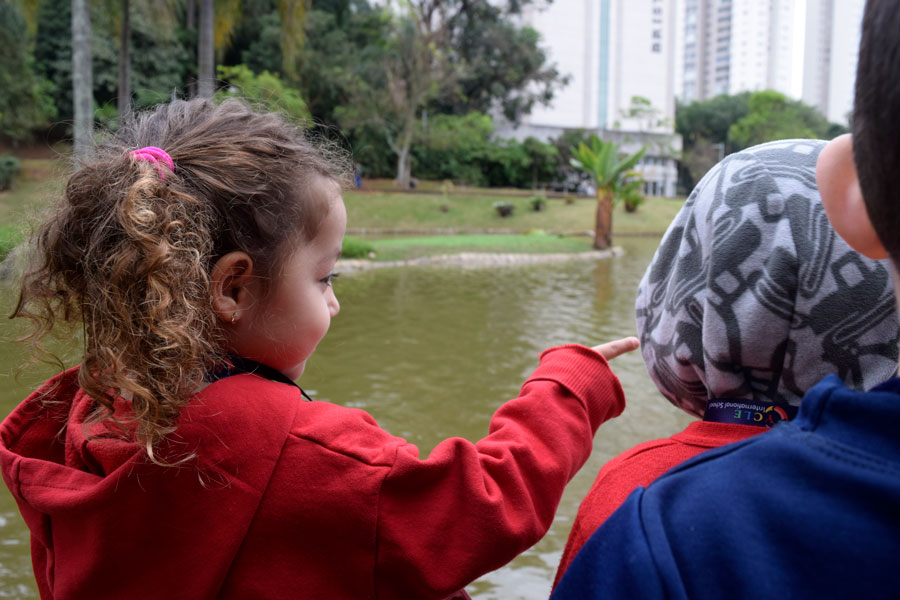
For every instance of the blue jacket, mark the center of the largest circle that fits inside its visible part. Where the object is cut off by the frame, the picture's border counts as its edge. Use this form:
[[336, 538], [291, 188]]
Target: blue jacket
[[810, 509]]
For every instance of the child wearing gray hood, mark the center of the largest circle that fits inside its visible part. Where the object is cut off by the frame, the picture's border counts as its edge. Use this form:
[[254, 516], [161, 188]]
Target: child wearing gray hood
[[750, 300]]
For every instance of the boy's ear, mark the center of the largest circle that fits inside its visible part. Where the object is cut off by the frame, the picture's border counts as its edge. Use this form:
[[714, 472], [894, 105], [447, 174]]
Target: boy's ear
[[843, 200], [232, 286]]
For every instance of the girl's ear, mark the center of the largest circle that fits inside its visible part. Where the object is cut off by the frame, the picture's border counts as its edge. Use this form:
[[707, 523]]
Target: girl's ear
[[232, 286], [843, 200]]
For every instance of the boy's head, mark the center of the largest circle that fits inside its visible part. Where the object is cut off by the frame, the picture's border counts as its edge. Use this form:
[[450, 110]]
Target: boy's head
[[752, 295], [858, 178]]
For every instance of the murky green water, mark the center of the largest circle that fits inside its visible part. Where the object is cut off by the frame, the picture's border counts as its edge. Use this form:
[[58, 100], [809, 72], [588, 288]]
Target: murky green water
[[431, 352]]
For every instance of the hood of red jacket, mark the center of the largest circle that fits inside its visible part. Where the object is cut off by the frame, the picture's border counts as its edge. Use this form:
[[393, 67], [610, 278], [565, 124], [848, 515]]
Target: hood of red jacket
[[105, 521]]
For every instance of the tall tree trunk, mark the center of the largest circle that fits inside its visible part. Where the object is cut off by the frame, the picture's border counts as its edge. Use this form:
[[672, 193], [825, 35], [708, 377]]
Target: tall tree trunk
[[403, 167], [125, 64], [404, 159], [191, 26], [603, 227], [206, 82], [82, 77], [191, 13]]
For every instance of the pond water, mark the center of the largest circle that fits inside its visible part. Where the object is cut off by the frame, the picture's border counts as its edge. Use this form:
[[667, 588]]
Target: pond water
[[431, 352]]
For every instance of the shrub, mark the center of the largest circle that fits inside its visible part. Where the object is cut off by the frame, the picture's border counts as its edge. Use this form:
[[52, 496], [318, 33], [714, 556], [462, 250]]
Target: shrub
[[537, 203], [504, 208], [356, 248], [631, 194], [265, 91], [9, 168]]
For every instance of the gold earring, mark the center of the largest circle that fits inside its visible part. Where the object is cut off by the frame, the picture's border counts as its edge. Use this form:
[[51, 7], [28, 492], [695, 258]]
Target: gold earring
[[233, 317]]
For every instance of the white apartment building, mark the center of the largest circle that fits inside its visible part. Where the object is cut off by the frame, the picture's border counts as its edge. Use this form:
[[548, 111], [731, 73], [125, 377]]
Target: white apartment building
[[805, 49], [831, 52], [733, 46], [613, 50]]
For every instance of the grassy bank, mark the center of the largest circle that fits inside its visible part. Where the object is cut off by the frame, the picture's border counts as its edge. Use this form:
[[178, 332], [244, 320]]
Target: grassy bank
[[469, 223], [412, 212], [36, 186], [463, 217], [536, 242]]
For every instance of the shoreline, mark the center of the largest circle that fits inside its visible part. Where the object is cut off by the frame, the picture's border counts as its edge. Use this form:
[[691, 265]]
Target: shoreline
[[476, 259]]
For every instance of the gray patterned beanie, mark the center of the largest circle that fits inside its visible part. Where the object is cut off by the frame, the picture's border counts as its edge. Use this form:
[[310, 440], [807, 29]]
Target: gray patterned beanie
[[751, 294]]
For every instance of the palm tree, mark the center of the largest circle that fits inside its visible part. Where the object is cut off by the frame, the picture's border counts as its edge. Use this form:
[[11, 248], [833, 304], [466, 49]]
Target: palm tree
[[82, 76], [601, 160]]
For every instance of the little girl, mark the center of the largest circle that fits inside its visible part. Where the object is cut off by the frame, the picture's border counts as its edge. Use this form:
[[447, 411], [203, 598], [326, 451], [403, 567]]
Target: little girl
[[180, 460]]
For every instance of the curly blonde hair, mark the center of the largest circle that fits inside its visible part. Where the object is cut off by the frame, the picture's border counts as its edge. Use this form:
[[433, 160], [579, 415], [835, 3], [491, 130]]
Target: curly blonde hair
[[127, 252]]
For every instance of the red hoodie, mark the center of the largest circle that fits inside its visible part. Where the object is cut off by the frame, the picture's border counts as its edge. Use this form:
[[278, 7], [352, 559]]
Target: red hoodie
[[288, 498]]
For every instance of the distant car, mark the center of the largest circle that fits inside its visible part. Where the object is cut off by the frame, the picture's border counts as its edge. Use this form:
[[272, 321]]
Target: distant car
[[573, 183], [586, 188]]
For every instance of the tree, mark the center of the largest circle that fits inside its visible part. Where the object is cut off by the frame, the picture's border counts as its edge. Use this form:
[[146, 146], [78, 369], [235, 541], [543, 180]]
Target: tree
[[601, 160], [25, 103], [218, 19], [505, 67], [342, 49], [644, 114], [773, 116], [387, 72], [293, 16], [124, 88], [161, 24], [710, 119], [266, 91], [53, 59], [206, 83], [82, 76], [700, 158], [455, 147], [543, 159], [398, 81], [248, 21], [704, 126], [160, 59]]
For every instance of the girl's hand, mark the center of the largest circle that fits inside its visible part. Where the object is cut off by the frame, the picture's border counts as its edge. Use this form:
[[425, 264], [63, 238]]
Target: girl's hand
[[612, 349]]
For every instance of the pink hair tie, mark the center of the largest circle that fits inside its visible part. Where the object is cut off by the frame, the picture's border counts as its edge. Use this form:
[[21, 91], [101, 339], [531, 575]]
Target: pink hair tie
[[154, 155]]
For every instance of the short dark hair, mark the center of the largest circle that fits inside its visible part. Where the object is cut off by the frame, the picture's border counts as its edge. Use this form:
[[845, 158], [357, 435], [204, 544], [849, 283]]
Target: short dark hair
[[876, 120]]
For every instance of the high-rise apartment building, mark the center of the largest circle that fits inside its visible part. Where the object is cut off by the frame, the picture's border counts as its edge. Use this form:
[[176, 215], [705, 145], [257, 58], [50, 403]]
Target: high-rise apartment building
[[831, 51], [732, 46], [613, 51], [802, 48]]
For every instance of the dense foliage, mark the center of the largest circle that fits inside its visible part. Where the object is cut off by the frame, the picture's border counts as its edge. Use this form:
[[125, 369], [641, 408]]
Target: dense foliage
[[406, 90], [412, 90], [25, 102], [717, 127]]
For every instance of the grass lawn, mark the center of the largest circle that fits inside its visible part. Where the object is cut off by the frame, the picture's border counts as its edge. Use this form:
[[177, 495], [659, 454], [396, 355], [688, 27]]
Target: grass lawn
[[419, 213], [457, 221], [36, 186]]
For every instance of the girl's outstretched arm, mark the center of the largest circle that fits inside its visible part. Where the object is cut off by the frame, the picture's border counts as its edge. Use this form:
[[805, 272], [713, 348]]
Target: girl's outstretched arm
[[469, 508]]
